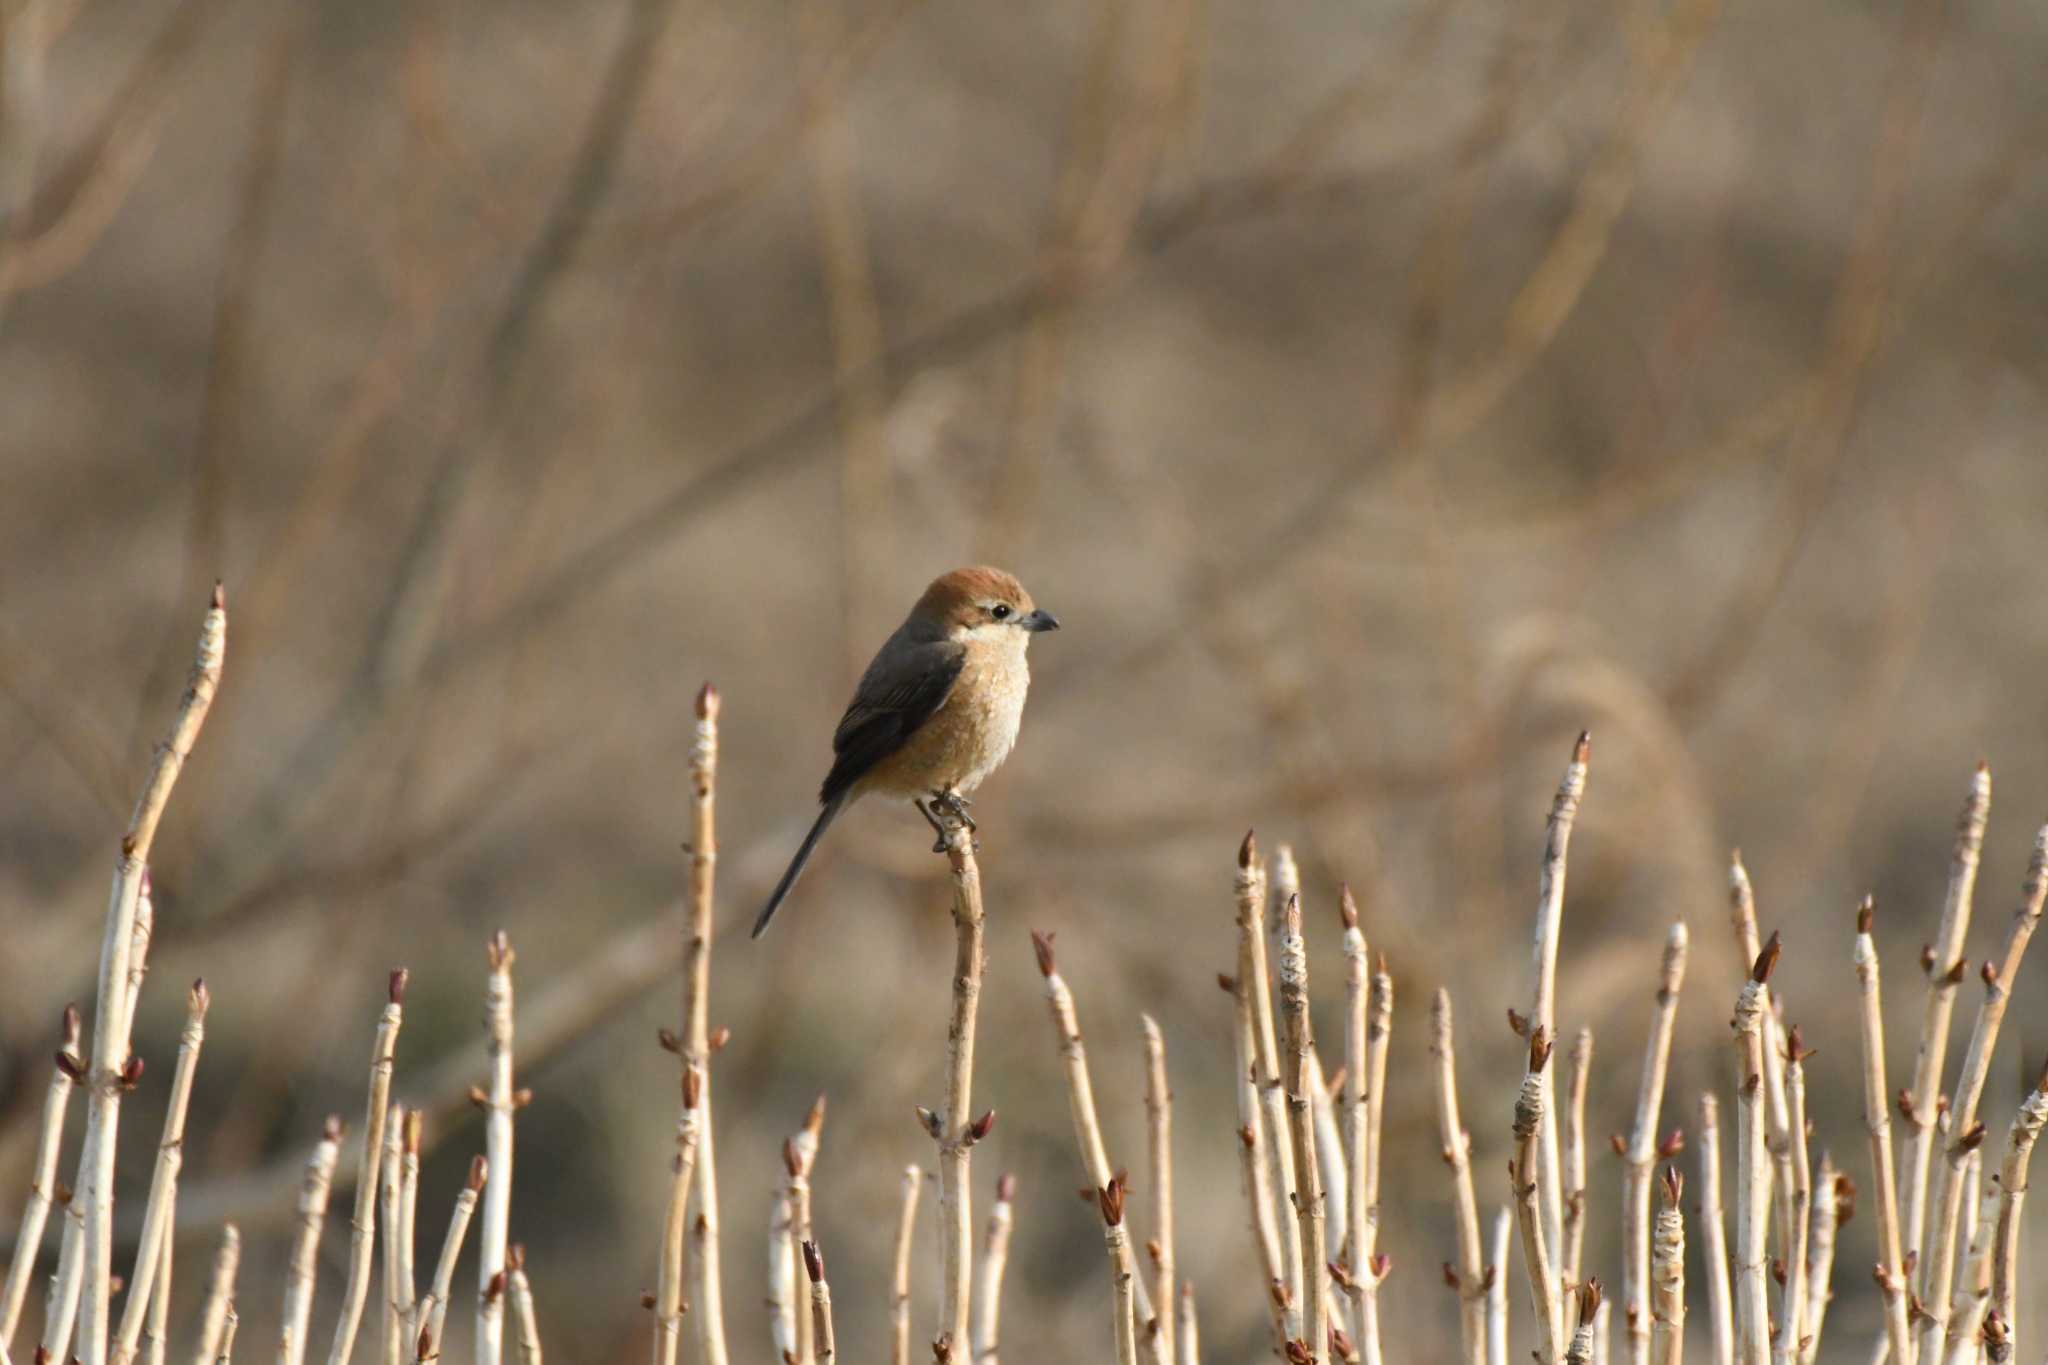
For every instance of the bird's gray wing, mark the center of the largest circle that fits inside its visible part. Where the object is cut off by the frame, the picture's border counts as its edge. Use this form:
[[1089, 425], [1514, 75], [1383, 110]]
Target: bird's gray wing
[[894, 698]]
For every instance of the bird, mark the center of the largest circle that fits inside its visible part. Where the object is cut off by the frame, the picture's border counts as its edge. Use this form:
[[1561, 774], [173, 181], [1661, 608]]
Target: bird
[[936, 711]]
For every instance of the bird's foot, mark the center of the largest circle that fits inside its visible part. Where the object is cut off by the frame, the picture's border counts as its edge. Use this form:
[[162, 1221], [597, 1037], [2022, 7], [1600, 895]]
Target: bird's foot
[[938, 826], [953, 806]]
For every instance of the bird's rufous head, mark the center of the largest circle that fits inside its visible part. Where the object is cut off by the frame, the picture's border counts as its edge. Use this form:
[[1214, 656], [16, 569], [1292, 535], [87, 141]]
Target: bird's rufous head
[[981, 601]]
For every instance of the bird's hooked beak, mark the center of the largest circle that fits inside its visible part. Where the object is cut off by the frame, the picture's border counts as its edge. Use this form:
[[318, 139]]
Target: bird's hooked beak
[[1035, 621]]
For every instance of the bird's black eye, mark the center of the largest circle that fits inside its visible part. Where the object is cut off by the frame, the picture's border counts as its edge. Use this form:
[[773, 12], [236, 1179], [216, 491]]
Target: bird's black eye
[[1001, 611]]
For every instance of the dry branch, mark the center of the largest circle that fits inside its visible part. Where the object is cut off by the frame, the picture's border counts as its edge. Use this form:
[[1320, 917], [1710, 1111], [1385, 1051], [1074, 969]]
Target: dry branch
[[527, 1329], [1752, 1178], [431, 1317], [1497, 1288], [113, 1015], [899, 1280], [1777, 1115], [1890, 1272], [1379, 1024], [390, 1189], [1667, 1274], [43, 1177], [499, 1102], [1123, 1275], [953, 1136], [708, 1284], [1188, 1338], [1159, 1152], [220, 1292], [1252, 1133], [1714, 1230], [157, 1220], [2012, 1194], [1788, 1347], [824, 1350], [227, 1337], [299, 1270], [1578, 1078], [363, 1225], [1474, 1279], [1642, 1149], [1310, 1213], [1581, 1350], [1831, 1194], [1359, 1137], [668, 1311], [1938, 1265], [1944, 968], [781, 1298], [1524, 1173], [995, 1259], [1564, 811], [799, 1159], [1252, 977]]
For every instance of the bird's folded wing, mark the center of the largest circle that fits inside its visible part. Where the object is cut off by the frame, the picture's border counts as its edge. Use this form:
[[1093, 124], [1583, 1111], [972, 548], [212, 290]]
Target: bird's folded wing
[[899, 693]]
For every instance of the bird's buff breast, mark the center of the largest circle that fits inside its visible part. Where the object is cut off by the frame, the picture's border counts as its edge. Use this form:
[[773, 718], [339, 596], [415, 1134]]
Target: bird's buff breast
[[967, 738]]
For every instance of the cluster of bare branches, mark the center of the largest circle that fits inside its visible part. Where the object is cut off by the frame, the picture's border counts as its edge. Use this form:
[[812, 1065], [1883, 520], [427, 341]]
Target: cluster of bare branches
[[1310, 1144]]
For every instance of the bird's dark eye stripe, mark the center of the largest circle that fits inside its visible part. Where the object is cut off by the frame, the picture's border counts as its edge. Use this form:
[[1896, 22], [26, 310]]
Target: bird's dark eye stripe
[[999, 610]]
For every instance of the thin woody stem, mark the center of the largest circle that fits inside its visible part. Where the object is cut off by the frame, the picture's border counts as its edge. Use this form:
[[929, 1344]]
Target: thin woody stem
[[956, 1211], [1642, 1148], [825, 1349], [709, 1293], [298, 1289], [363, 1223], [1890, 1273], [1456, 1144], [1752, 1183], [1667, 1275], [431, 1316], [1564, 810], [157, 1218], [668, 1309], [499, 1102], [1777, 1114], [1829, 1199], [1159, 1153], [995, 1259], [1252, 1132], [2012, 1194], [1524, 1172], [1578, 1077], [220, 1291], [899, 1280], [1253, 975], [1714, 1231], [43, 1180], [1309, 1208]]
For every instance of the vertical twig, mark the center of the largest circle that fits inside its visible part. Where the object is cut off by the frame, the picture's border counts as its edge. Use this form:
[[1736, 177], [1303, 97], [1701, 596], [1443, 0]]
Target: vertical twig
[[1159, 1152], [1524, 1172], [2012, 1194], [1777, 1115], [799, 1159], [220, 1291], [995, 1259], [956, 1211], [824, 1348], [1379, 1024], [1252, 976], [1944, 973], [1474, 1279], [1789, 1346], [1358, 1081], [431, 1317], [1832, 1195], [899, 1279], [1752, 1155], [527, 1335], [113, 1013], [668, 1309], [1123, 1276], [698, 1041], [1187, 1336], [1938, 1267], [1584, 1340], [1890, 1272], [1714, 1232], [1667, 1274], [1310, 1213], [498, 1103], [1973, 1285], [387, 1182], [305, 1253], [1642, 1150], [1252, 1133], [227, 1337], [1497, 1287], [156, 1335], [35, 1214], [1578, 1077], [363, 1224], [157, 1216], [781, 1298], [1564, 811], [408, 1304]]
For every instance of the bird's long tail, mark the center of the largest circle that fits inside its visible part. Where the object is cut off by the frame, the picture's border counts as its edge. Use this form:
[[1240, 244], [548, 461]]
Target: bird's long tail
[[796, 864]]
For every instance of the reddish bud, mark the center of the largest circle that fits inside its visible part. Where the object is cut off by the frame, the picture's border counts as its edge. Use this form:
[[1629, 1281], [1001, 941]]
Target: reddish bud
[[1672, 1145], [1583, 750], [71, 1026], [1767, 960], [1227, 982], [1517, 1024], [707, 702], [479, 1171], [814, 1262], [1248, 851], [693, 1087], [720, 1036], [981, 1127], [478, 1098], [1006, 1187], [1347, 906], [131, 1074], [1041, 948], [394, 989], [668, 1040], [496, 1289], [70, 1065]]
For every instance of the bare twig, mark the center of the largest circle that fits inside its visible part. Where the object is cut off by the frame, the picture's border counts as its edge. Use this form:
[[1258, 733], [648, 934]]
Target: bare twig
[[1524, 1174], [1832, 1194], [305, 1253], [1474, 1279], [1752, 1183], [1788, 1347], [995, 1259], [431, 1317], [799, 1159], [1159, 1152], [1310, 1213], [156, 1334], [899, 1279], [1497, 1287], [1890, 1273], [157, 1220], [227, 1337], [1667, 1275], [113, 1015], [2012, 1194], [498, 1104], [781, 1299], [1358, 1082], [1642, 1149], [1581, 1350], [1252, 977], [1252, 1133], [405, 1293], [1379, 1023], [668, 1310], [1123, 1276], [708, 1288], [363, 1225], [527, 1334], [1938, 1266], [1714, 1224], [43, 1178], [953, 1136], [1573, 1156], [1777, 1116], [220, 1292], [1972, 1297], [824, 1349], [1564, 811], [390, 1189], [1944, 974], [1188, 1338]]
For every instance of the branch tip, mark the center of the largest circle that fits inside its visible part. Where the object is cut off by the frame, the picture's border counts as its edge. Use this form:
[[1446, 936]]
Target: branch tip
[[1767, 960]]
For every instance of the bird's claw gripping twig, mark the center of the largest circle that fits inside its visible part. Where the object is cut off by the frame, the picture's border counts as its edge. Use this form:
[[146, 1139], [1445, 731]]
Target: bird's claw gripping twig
[[954, 806]]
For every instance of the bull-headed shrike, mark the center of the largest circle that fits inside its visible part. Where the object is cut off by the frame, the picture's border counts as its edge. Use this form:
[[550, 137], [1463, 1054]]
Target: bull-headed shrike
[[937, 710]]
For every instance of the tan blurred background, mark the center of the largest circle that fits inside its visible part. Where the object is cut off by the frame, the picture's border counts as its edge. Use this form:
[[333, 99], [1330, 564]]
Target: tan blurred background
[[1378, 393]]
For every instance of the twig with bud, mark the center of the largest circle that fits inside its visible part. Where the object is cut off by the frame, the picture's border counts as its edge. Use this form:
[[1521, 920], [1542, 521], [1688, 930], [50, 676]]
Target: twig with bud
[[431, 1317], [1187, 1332], [1777, 1114], [1581, 1350], [1525, 1177], [1564, 810], [699, 1041], [954, 1140], [499, 1103], [668, 1312], [387, 1181], [1714, 1231], [1641, 1155], [899, 1278], [2012, 1194], [799, 1159], [363, 1225], [114, 1014], [1792, 1306], [157, 1219], [1370, 1264], [405, 1294], [526, 1334], [1474, 1280], [1310, 1213], [64, 1075], [1833, 1203], [781, 1298], [1122, 1273], [1667, 1274], [305, 1252], [824, 1350], [995, 1259], [1497, 1287], [1890, 1272], [1159, 1155], [1578, 1079], [220, 1292], [1752, 1181], [1252, 1134], [1252, 976]]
